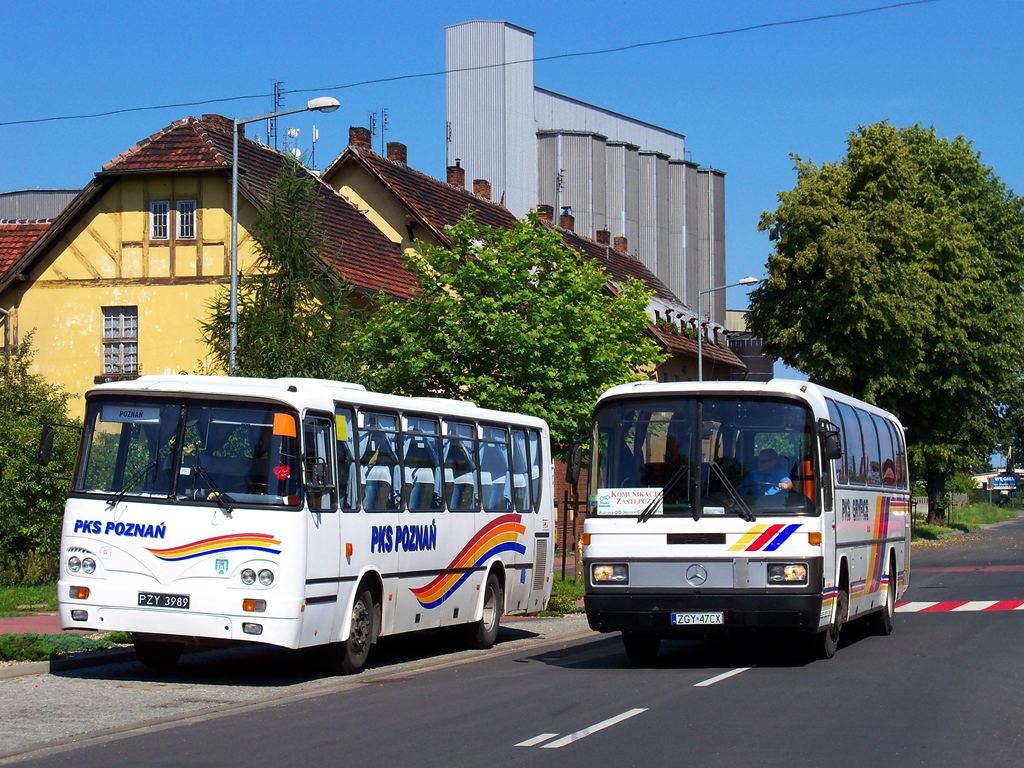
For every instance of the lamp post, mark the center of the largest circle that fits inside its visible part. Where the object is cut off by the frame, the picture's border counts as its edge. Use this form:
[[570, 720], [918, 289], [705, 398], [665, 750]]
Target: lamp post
[[319, 104], [700, 325]]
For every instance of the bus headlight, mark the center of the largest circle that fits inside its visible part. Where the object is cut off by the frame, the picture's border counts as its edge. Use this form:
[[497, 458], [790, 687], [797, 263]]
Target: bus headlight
[[266, 577], [787, 573], [610, 574], [74, 564], [88, 565], [248, 576]]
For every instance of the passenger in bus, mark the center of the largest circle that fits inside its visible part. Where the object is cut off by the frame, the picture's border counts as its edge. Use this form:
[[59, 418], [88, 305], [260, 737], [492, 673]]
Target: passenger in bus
[[768, 479]]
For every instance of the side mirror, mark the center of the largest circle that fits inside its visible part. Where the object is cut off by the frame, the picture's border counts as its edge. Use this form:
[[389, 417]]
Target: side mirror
[[574, 464], [45, 445], [831, 445]]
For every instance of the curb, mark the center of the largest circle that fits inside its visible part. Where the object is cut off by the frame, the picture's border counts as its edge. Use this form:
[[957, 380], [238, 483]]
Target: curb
[[68, 663]]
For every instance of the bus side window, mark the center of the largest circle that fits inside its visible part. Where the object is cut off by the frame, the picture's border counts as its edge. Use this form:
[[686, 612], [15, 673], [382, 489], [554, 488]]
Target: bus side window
[[872, 459], [520, 472], [535, 464], [839, 464], [379, 465], [321, 492], [460, 476], [422, 465], [495, 472], [348, 476], [888, 453]]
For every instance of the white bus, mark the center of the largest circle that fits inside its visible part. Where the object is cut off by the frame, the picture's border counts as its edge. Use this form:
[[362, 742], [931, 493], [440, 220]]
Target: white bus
[[299, 512], [733, 505]]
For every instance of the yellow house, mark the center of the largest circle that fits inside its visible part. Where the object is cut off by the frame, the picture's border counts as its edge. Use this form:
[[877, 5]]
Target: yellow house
[[119, 282]]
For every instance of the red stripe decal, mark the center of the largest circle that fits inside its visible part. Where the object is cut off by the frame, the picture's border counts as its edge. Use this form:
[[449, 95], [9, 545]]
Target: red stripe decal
[[765, 537]]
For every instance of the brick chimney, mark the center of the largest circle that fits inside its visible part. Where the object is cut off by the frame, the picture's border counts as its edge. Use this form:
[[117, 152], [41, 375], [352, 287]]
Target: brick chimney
[[567, 221], [621, 245], [361, 138], [604, 237], [482, 188], [398, 152], [457, 175], [224, 124], [546, 213]]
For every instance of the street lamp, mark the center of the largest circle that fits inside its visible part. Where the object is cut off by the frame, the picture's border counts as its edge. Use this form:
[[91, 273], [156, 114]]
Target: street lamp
[[319, 104], [700, 328]]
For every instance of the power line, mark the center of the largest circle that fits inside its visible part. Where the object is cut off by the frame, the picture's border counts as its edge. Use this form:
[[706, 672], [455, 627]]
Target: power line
[[437, 73]]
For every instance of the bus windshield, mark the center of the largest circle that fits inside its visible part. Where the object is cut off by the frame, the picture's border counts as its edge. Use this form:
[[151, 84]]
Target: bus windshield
[[199, 451], [702, 456]]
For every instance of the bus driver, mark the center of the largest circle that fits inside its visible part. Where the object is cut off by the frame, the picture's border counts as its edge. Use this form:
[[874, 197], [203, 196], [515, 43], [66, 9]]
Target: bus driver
[[768, 479]]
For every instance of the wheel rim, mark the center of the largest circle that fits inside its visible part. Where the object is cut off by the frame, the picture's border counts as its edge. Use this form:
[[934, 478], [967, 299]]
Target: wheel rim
[[490, 608], [360, 634]]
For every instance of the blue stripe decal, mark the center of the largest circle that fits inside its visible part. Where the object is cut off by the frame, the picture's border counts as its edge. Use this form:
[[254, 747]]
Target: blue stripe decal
[[780, 539]]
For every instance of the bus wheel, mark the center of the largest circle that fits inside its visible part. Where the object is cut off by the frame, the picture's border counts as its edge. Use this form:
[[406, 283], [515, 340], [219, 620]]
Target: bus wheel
[[349, 657], [880, 623], [641, 649], [828, 641], [158, 655], [483, 634]]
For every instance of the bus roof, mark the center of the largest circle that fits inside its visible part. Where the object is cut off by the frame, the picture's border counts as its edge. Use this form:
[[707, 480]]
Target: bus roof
[[814, 394], [301, 393]]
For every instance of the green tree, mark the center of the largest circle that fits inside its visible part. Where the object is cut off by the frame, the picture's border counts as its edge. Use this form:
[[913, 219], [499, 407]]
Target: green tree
[[513, 320], [31, 497], [295, 314], [896, 276]]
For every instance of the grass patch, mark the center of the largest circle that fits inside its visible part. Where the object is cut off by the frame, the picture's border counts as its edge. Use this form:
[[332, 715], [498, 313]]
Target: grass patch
[[24, 601], [969, 518], [33, 647], [564, 595]]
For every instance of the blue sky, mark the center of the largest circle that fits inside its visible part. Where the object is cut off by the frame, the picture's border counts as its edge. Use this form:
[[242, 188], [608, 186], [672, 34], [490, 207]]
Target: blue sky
[[745, 101]]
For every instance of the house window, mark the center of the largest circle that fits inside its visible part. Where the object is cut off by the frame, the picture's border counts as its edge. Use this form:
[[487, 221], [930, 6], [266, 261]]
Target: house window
[[186, 219], [159, 213], [120, 339]]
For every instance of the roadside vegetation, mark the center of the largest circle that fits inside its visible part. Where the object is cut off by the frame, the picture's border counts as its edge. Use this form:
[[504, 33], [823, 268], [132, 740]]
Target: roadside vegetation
[[24, 601], [564, 595], [969, 518], [33, 647]]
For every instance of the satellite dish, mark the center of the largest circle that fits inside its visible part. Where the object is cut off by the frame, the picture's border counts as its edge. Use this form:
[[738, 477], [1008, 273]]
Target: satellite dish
[[296, 153]]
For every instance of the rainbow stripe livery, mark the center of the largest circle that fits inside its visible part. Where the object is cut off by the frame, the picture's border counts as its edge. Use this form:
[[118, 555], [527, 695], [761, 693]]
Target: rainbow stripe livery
[[258, 542], [764, 538], [501, 535]]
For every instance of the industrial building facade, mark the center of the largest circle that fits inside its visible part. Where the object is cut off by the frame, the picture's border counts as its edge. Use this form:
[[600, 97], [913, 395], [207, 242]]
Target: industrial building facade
[[617, 174]]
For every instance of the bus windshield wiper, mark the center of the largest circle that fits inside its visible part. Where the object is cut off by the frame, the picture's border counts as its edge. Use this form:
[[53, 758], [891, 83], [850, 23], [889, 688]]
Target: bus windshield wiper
[[649, 510], [130, 485], [744, 510], [218, 495]]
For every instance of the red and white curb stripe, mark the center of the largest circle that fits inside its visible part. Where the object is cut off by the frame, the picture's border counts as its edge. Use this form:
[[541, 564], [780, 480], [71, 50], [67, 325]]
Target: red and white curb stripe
[[958, 606]]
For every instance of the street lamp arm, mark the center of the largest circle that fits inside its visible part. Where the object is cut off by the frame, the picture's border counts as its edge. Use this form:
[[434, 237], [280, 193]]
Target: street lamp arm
[[701, 325]]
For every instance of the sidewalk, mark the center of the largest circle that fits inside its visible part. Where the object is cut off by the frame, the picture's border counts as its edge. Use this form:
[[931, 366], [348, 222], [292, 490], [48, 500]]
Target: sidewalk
[[40, 623]]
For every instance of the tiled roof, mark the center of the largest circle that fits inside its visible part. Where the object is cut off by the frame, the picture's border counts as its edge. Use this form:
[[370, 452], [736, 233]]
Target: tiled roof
[[438, 205], [16, 237], [684, 345], [183, 145], [357, 250], [435, 203]]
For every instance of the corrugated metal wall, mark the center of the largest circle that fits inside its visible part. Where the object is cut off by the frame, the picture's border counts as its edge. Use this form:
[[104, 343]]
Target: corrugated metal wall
[[490, 109], [615, 172], [35, 203]]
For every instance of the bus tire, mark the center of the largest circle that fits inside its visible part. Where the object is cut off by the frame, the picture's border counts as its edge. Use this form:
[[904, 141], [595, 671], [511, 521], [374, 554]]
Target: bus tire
[[157, 654], [349, 657], [481, 635], [880, 623], [641, 648], [828, 641]]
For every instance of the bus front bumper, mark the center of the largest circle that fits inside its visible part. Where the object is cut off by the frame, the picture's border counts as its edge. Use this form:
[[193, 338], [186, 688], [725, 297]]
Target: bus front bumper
[[651, 613]]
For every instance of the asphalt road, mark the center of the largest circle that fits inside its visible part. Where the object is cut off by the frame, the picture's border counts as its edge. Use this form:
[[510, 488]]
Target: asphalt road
[[945, 689]]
